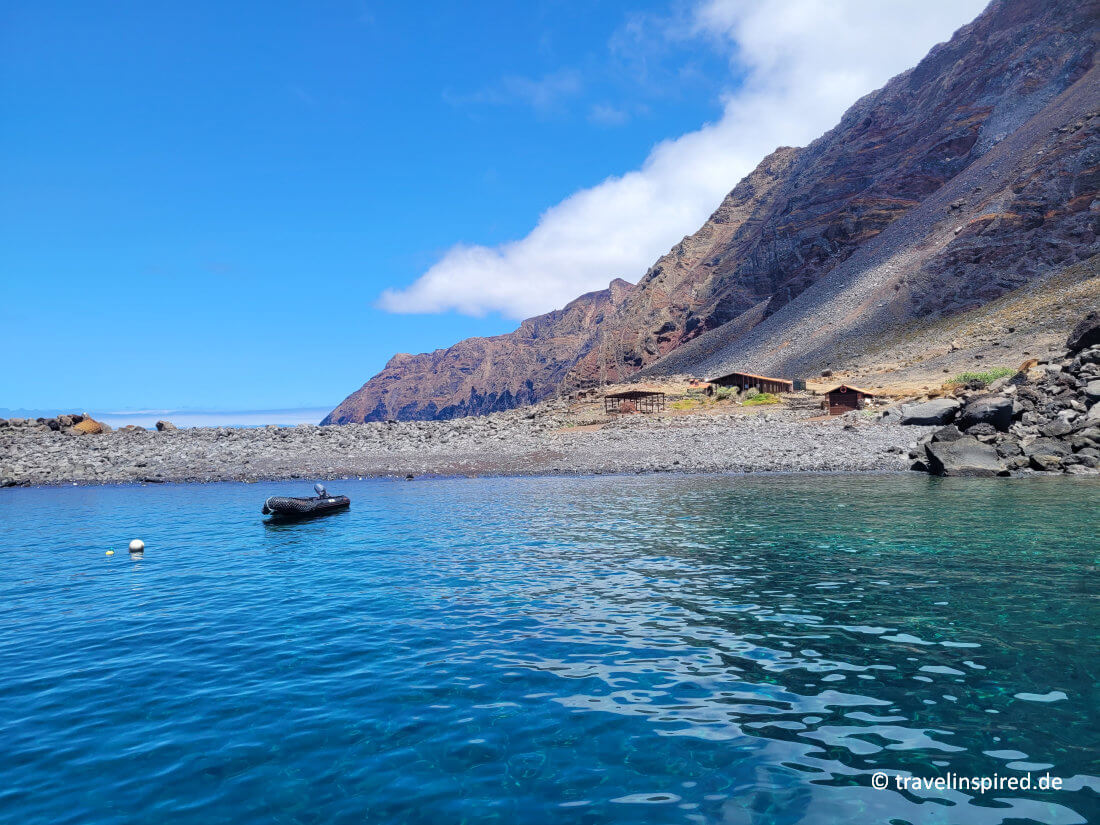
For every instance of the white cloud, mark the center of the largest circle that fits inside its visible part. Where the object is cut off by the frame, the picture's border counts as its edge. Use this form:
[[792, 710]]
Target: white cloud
[[803, 63]]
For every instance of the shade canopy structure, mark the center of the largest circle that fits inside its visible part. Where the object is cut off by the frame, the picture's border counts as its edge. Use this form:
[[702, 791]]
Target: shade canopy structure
[[763, 383], [630, 401]]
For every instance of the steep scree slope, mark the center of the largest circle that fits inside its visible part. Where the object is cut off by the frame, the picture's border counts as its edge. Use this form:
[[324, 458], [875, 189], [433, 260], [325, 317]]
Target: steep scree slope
[[809, 223]]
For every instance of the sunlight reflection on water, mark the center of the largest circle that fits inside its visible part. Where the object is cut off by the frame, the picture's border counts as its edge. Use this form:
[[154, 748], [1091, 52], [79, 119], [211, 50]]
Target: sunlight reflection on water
[[678, 649]]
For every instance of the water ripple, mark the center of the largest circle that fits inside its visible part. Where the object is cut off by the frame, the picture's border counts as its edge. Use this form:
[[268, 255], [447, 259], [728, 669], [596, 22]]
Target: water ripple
[[551, 650]]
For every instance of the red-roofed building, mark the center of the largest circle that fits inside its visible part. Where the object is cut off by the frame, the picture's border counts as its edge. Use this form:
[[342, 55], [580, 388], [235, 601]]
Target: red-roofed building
[[847, 398]]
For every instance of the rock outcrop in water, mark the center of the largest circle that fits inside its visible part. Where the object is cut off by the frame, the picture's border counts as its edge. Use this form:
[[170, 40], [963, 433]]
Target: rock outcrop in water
[[963, 179]]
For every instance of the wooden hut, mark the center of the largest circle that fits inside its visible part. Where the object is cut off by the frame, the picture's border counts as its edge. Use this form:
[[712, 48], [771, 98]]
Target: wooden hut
[[763, 383], [629, 401], [847, 398]]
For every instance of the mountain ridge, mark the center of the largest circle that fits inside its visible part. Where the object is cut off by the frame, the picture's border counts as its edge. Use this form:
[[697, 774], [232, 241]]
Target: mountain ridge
[[806, 229]]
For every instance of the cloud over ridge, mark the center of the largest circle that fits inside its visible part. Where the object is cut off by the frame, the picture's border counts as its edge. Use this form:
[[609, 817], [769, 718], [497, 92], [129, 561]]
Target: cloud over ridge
[[804, 62]]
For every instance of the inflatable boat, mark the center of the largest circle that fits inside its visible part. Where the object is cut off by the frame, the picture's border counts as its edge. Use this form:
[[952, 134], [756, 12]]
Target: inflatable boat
[[286, 508]]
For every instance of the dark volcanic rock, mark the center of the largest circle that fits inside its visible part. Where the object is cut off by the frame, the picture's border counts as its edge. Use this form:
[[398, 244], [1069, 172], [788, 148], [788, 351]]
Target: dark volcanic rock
[[984, 432], [165, 426], [1048, 462], [930, 413], [1046, 446], [1055, 403], [965, 456], [948, 433], [1085, 334], [993, 410], [1056, 429]]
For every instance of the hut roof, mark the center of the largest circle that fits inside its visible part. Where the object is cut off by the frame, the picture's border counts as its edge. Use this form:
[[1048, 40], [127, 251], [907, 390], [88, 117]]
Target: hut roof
[[751, 375], [844, 387], [632, 394]]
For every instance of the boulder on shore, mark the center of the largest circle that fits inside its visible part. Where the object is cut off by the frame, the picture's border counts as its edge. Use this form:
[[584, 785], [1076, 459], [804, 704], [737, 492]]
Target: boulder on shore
[[90, 426], [930, 413], [165, 426], [990, 409], [1085, 334], [948, 433], [965, 457], [1046, 446]]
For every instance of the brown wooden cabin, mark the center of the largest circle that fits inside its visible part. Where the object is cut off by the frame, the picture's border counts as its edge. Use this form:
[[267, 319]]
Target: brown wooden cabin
[[846, 398], [629, 401], [744, 380]]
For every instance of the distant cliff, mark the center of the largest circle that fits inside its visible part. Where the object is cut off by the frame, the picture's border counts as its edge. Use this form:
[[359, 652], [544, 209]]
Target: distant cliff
[[961, 179], [483, 375]]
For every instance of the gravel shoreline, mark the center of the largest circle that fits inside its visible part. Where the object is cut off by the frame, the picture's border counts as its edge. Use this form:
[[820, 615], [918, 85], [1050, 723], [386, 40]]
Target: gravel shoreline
[[514, 443]]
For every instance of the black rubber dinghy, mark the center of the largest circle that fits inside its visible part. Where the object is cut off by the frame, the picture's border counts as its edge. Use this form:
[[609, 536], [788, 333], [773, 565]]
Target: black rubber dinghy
[[286, 508]]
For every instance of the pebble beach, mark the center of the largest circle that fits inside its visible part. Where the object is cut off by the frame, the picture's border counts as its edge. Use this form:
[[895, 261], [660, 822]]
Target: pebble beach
[[540, 442]]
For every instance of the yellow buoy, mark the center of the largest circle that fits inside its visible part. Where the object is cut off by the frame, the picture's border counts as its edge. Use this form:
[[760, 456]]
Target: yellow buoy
[[110, 552]]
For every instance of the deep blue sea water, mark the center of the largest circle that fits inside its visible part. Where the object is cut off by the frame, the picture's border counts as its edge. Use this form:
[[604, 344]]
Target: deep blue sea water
[[593, 650]]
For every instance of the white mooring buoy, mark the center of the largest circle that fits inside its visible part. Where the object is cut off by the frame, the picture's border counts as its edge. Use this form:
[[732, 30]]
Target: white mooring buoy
[[137, 546]]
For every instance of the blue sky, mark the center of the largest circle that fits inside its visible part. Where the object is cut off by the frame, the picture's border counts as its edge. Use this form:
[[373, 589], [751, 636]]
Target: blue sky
[[203, 202]]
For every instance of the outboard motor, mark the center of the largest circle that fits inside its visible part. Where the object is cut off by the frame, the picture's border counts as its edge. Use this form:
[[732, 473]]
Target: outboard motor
[[319, 489]]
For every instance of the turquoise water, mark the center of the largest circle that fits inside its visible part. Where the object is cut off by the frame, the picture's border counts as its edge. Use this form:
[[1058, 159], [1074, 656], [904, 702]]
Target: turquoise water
[[611, 649]]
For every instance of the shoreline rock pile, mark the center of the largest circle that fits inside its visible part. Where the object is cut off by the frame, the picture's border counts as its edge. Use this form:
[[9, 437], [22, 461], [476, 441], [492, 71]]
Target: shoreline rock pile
[[1043, 419], [69, 424]]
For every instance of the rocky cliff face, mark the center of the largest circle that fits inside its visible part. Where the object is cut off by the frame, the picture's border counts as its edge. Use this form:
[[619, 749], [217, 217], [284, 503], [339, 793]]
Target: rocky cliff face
[[478, 376], [893, 151], [1025, 208], [958, 181]]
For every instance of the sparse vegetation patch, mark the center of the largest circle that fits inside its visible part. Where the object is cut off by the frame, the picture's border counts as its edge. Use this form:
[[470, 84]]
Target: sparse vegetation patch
[[985, 378], [762, 398]]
